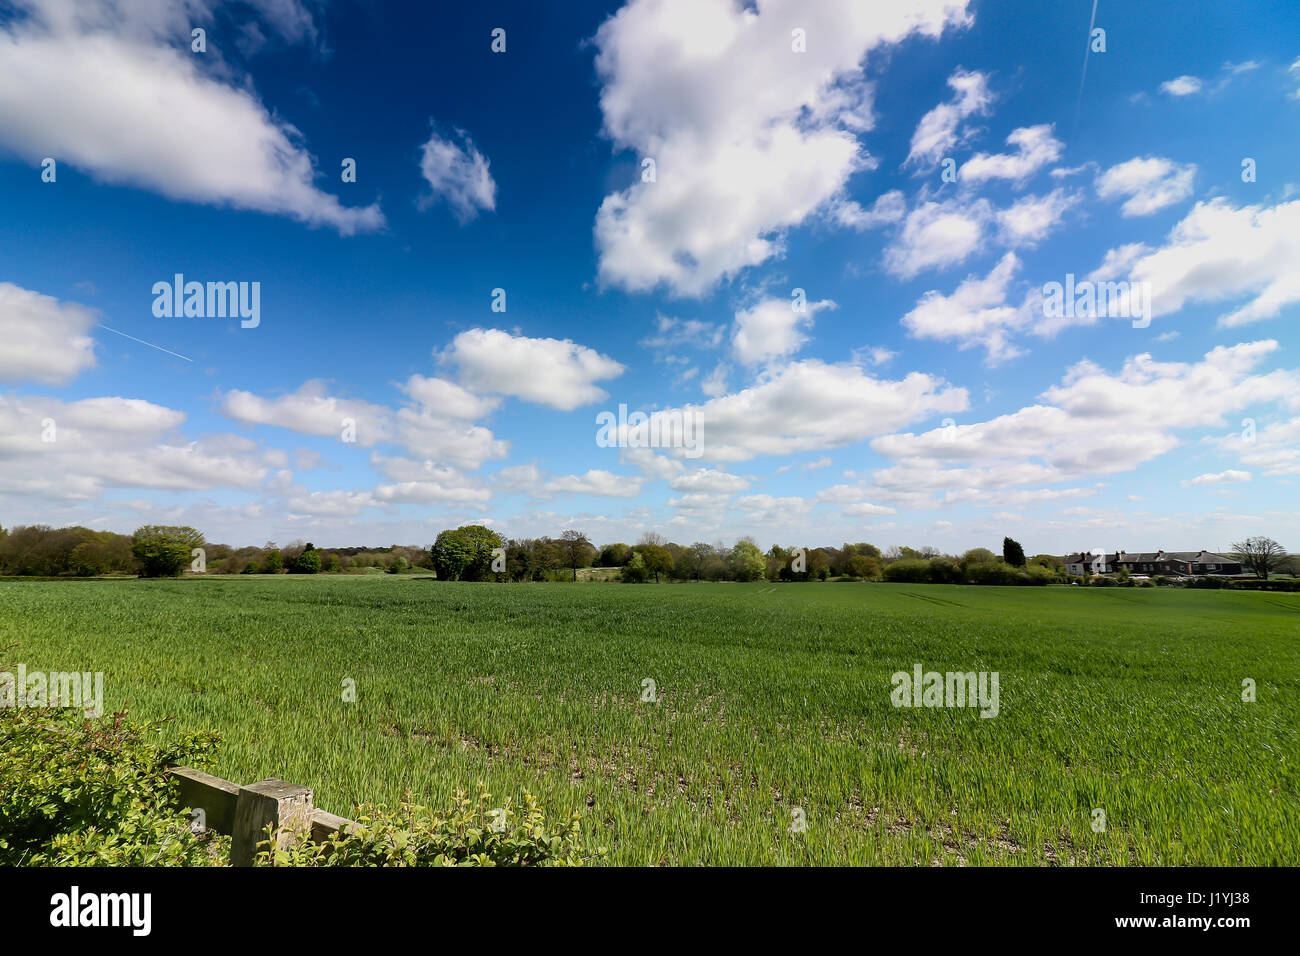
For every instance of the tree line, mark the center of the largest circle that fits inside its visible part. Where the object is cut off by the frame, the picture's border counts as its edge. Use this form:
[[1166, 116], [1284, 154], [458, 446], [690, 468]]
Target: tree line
[[478, 553]]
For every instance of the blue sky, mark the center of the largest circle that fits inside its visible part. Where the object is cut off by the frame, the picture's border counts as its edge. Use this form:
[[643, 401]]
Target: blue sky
[[924, 396]]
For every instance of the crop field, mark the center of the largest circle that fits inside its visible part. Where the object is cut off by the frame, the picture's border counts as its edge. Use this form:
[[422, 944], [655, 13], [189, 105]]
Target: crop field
[[772, 708]]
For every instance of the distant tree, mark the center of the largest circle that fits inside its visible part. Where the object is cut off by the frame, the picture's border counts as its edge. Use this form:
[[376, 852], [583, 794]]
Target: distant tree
[[164, 550], [1012, 553], [978, 556], [307, 561], [658, 559], [746, 561], [864, 566], [819, 564], [577, 550], [614, 555], [1262, 556], [330, 562], [464, 553], [635, 572], [274, 562]]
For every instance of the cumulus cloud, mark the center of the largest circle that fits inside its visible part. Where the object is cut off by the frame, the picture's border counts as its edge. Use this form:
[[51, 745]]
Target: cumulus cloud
[[1029, 220], [435, 426], [1149, 184], [746, 147], [121, 100], [888, 209], [557, 373], [937, 133], [1218, 253], [1093, 423], [76, 450], [811, 406], [596, 482], [938, 235], [1036, 147], [311, 410], [1229, 477], [772, 329], [457, 172], [976, 313], [45, 340], [1182, 86]]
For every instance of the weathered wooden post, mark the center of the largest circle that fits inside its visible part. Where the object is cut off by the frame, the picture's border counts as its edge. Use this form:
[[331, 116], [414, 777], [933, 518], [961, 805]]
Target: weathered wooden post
[[287, 807]]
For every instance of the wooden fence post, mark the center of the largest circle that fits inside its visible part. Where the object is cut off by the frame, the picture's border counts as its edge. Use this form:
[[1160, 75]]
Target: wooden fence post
[[285, 806]]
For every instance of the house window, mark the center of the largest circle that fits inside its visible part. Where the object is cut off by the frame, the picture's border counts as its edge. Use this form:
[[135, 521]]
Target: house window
[[1212, 567]]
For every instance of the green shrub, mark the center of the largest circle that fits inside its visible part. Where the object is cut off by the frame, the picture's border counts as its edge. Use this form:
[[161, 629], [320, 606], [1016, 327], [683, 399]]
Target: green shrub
[[164, 550], [994, 572], [909, 570], [78, 792], [473, 833]]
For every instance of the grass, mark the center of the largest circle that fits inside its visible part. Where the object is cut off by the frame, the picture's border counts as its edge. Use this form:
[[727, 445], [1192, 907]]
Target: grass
[[770, 698]]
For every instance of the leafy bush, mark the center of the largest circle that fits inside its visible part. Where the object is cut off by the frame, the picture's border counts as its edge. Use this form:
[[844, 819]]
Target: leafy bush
[[164, 550], [910, 571], [994, 572], [77, 792], [945, 571], [306, 563], [635, 571], [863, 566], [473, 833]]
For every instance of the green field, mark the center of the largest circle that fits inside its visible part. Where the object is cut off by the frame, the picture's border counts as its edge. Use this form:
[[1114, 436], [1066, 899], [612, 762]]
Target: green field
[[770, 698]]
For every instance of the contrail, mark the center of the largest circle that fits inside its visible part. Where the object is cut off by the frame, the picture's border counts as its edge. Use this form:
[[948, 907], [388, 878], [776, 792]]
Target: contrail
[[143, 342], [1087, 51]]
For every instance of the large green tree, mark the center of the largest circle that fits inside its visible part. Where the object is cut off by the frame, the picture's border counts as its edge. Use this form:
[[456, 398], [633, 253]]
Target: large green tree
[[1012, 553], [465, 553], [164, 550], [747, 562]]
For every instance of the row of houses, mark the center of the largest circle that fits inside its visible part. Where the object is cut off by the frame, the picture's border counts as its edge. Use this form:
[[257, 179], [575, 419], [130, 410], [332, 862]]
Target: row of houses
[[1174, 564]]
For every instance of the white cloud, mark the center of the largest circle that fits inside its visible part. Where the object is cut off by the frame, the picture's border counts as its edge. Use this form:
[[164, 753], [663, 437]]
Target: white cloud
[[811, 406], [1029, 220], [311, 411], [1220, 252], [1182, 86], [672, 332], [938, 235], [749, 138], [975, 314], [1221, 478], [458, 173], [110, 442], [437, 426], [1036, 147], [1150, 184], [557, 373], [45, 340], [334, 504], [937, 133], [772, 329], [709, 480], [888, 208], [122, 100], [448, 398], [1094, 423], [596, 482]]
